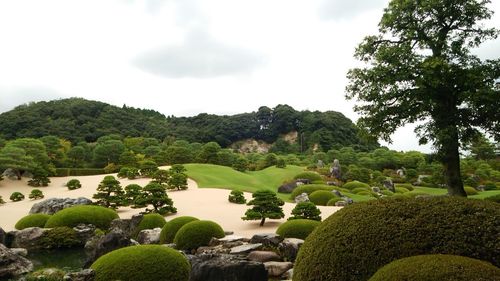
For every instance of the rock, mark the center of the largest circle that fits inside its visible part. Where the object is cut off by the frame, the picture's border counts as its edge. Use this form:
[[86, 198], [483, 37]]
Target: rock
[[303, 181], [84, 232], [287, 187], [230, 238], [245, 249], [263, 256], [83, 275], [149, 236], [341, 203], [102, 245], [2, 236], [219, 249], [19, 251], [27, 238], [277, 268], [302, 198], [225, 268], [52, 205], [267, 239], [376, 189], [389, 185], [347, 199], [127, 226], [337, 193], [10, 174], [289, 248], [12, 265], [289, 274], [226, 233], [332, 183], [481, 188]]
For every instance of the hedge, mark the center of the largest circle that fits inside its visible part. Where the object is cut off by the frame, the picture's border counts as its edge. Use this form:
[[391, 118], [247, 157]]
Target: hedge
[[66, 172], [309, 188], [150, 221], [312, 176], [196, 234], [99, 216], [321, 197], [355, 184], [33, 220], [299, 228]]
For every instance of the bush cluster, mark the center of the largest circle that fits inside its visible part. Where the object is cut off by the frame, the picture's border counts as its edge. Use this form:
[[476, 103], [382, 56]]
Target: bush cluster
[[306, 210], [33, 220], [150, 221], [355, 184], [470, 190], [99, 216], [196, 234], [16, 196], [332, 201], [36, 194], [309, 188], [60, 237], [236, 196], [299, 228], [321, 197], [170, 228], [73, 184]]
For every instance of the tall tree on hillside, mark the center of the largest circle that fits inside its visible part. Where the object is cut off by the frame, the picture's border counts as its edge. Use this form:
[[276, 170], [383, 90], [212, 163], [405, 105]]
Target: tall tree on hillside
[[420, 68]]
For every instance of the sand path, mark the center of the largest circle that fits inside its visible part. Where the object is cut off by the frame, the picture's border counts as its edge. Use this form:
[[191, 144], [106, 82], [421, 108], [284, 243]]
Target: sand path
[[203, 203]]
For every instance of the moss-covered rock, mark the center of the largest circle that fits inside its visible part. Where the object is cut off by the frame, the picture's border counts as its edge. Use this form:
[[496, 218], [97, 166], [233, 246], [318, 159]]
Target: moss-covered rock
[[99, 216], [170, 229], [150, 221], [196, 234], [33, 220], [321, 197], [437, 267], [60, 237], [299, 228], [143, 262], [354, 242]]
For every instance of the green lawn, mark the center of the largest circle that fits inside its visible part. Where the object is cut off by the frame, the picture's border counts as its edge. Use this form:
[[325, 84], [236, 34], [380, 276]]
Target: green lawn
[[485, 194], [432, 190]]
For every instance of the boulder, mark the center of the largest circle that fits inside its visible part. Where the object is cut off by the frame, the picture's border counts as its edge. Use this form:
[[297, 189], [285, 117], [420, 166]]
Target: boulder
[[225, 268], [341, 203], [19, 251], [102, 245], [302, 198], [84, 232], [149, 236], [28, 238], [267, 239], [347, 199], [303, 181], [337, 193], [10, 174], [127, 226], [376, 189], [288, 275], [332, 183], [389, 185], [219, 249], [287, 187], [245, 249], [12, 265], [83, 275], [52, 205], [263, 256], [277, 268], [2, 236], [289, 248]]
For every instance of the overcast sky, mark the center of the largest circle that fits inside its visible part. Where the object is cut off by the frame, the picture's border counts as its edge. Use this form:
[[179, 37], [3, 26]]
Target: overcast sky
[[184, 57]]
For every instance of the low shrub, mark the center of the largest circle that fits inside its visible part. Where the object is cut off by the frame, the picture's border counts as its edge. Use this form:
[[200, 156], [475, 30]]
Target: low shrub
[[355, 184], [16, 196], [470, 190], [360, 189], [309, 188], [386, 192], [142, 262], [377, 232], [312, 176], [408, 186], [334, 200], [60, 237], [321, 197], [306, 210], [401, 189], [150, 221], [300, 228], [73, 184], [99, 216], [437, 267], [489, 185], [236, 196], [196, 234], [33, 220], [169, 230], [36, 194]]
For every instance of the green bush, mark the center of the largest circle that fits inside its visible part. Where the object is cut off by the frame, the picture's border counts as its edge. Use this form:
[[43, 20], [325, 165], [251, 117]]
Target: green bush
[[309, 188], [355, 184], [36, 194], [16, 196], [150, 221], [312, 176], [321, 197], [360, 189], [300, 228], [196, 234], [46, 274], [73, 184], [405, 185], [437, 267], [60, 237], [236, 196], [470, 190], [306, 210], [375, 233], [332, 201], [67, 172], [414, 193], [99, 216], [489, 185], [33, 220], [169, 230], [401, 189], [495, 198], [143, 262], [386, 192]]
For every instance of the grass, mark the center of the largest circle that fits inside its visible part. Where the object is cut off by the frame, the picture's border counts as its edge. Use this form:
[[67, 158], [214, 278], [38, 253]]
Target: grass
[[485, 194], [432, 190]]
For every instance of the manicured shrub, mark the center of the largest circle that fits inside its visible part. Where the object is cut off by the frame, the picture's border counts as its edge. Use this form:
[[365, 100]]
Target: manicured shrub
[[73, 184], [300, 228], [437, 267], [143, 262], [265, 205], [109, 193], [355, 184], [489, 185], [99, 216], [306, 210], [33, 220], [36, 194], [60, 237], [150, 221], [334, 200], [386, 192], [494, 198], [16, 196], [360, 189], [312, 176], [321, 197], [375, 233], [196, 234], [405, 185], [309, 188], [470, 190], [401, 189], [236, 196], [169, 230]]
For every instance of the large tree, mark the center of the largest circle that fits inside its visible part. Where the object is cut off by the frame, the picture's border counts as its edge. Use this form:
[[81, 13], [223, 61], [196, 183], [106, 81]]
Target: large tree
[[420, 68]]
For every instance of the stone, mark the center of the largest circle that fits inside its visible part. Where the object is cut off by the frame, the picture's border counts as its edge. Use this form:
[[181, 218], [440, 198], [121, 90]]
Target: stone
[[341, 203], [12, 265], [303, 181], [289, 248], [52, 205], [149, 236], [84, 232], [481, 188], [3, 235], [219, 249], [389, 185], [332, 183], [287, 187], [127, 226], [245, 249], [83, 275], [289, 274], [267, 239], [225, 268], [226, 232], [95, 248], [263, 256], [376, 189], [230, 238], [302, 198], [337, 193], [277, 268], [347, 199], [11, 174], [27, 238], [20, 251], [335, 169]]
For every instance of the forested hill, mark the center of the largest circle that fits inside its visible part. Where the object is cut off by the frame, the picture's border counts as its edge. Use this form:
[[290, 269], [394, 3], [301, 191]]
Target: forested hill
[[78, 119]]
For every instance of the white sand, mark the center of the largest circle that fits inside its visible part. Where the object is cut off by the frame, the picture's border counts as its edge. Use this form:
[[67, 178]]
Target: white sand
[[203, 203]]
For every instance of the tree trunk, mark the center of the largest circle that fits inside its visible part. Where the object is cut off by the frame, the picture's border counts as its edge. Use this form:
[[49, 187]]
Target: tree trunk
[[262, 221], [451, 161]]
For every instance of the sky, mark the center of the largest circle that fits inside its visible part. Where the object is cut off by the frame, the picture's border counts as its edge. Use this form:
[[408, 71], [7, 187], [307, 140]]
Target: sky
[[184, 57]]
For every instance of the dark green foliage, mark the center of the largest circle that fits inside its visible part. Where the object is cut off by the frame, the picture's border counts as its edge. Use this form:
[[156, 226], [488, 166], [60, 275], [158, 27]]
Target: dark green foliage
[[374, 233], [150, 221], [132, 192], [33, 220], [143, 262], [148, 168], [332, 201], [154, 194], [196, 234], [240, 164], [299, 228], [40, 177], [128, 172], [107, 152], [161, 177], [494, 198], [309, 175], [36, 194], [16, 196], [265, 205], [60, 237], [177, 181], [470, 190], [236, 196], [280, 163], [73, 184], [178, 168], [489, 185], [355, 184], [309, 188], [321, 197], [109, 193], [170, 229], [437, 267], [46, 274], [74, 172], [306, 210], [99, 216]]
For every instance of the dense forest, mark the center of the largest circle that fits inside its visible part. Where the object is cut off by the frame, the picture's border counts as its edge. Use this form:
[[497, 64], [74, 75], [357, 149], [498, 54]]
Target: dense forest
[[77, 120]]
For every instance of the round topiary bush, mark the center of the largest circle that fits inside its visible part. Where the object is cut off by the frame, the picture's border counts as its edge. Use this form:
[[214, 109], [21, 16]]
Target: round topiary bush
[[143, 262], [360, 189], [73, 184], [309, 188], [236, 196], [33, 220], [470, 190], [401, 189], [196, 234], [408, 186], [321, 197], [355, 184], [150, 221], [299, 228], [99, 216], [169, 230], [334, 200], [437, 267], [354, 242], [16, 196], [312, 176], [36, 194]]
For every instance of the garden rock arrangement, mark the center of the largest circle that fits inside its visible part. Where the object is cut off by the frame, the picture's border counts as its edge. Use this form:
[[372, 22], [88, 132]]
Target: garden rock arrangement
[[53, 205], [13, 265]]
